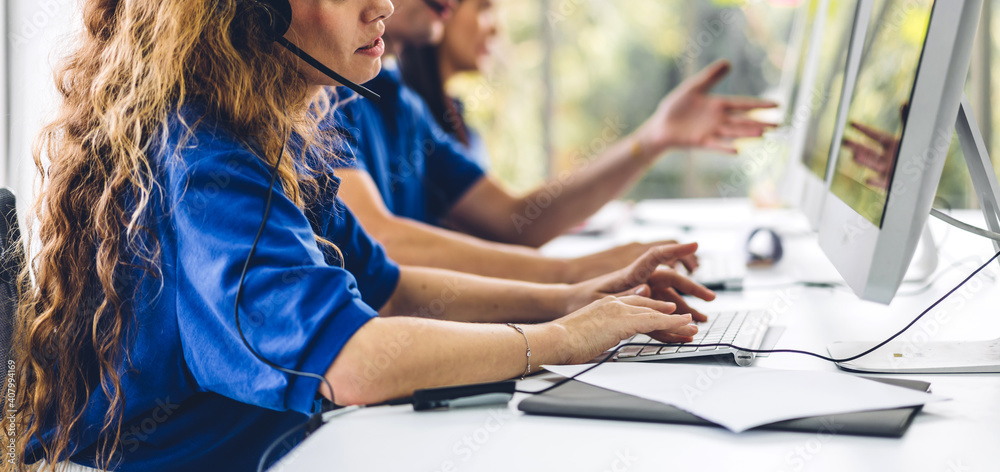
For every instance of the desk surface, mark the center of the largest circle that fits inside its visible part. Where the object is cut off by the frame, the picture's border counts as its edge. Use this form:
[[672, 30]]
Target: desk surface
[[954, 436]]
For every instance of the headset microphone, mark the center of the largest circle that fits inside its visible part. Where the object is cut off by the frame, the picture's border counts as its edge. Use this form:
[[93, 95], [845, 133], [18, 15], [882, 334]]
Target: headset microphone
[[280, 15]]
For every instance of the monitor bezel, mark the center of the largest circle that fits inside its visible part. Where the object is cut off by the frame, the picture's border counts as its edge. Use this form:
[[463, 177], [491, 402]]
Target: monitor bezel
[[793, 182], [813, 189], [873, 260], [789, 69]]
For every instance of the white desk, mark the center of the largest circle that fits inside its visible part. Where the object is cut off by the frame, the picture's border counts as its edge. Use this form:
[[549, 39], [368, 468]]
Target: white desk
[[956, 436]]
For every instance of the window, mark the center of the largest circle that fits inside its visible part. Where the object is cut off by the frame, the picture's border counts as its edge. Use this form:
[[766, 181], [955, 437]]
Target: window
[[4, 93], [38, 36], [610, 64]]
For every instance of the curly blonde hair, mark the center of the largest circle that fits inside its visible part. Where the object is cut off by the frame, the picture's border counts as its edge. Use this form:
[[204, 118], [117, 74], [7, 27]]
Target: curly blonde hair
[[136, 64]]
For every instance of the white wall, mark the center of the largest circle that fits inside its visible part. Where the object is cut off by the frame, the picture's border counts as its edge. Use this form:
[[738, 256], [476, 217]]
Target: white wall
[[3, 96], [37, 34]]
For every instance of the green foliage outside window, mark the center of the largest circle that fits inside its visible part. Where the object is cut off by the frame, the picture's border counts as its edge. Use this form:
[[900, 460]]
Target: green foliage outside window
[[611, 63]]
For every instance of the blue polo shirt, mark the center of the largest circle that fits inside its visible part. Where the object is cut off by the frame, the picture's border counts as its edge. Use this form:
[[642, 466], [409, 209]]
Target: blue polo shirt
[[419, 169], [196, 398]]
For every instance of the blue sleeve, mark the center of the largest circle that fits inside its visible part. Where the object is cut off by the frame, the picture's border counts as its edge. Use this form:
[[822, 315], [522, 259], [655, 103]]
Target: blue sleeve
[[450, 172], [377, 275], [297, 311]]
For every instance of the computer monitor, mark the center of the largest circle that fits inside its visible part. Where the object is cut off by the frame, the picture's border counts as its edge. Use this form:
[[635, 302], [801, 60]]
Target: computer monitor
[[840, 29], [799, 43], [896, 136], [907, 103], [790, 134]]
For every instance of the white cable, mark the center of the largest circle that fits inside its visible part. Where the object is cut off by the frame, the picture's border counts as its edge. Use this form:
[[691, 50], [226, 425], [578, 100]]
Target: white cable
[[964, 226]]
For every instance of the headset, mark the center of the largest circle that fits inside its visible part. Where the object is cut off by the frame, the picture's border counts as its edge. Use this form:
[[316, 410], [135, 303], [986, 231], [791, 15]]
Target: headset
[[279, 16]]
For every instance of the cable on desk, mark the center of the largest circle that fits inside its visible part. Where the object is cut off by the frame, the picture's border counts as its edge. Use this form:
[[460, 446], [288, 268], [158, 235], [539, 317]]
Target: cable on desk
[[930, 284], [802, 283], [261, 466], [878, 346], [323, 419], [316, 419], [835, 285], [948, 209], [964, 226]]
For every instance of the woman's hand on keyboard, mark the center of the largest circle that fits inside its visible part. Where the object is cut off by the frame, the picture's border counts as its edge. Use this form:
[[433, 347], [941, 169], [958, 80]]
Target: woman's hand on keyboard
[[605, 262], [647, 277], [599, 326]]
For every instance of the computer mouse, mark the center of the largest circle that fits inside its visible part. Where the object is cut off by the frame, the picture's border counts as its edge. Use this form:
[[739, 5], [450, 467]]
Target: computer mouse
[[764, 247]]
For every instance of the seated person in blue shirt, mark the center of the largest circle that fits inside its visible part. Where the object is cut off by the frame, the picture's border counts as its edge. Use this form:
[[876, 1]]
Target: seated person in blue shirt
[[464, 48], [175, 285], [410, 178]]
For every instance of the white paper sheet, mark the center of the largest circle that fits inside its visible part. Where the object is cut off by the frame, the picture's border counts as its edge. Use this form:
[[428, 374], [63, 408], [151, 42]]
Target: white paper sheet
[[740, 398]]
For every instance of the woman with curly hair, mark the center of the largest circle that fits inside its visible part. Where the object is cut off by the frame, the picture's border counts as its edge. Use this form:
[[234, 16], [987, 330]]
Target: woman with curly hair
[[197, 288]]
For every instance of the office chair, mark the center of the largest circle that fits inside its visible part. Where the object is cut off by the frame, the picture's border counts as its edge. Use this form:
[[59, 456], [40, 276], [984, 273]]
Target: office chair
[[12, 260]]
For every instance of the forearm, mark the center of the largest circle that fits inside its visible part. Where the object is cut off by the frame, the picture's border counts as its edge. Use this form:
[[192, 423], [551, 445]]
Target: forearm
[[446, 295], [574, 196], [391, 357], [411, 242], [689, 117], [416, 244]]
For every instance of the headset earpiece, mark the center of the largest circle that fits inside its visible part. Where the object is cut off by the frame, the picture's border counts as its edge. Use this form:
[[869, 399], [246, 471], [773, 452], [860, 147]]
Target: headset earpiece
[[279, 15]]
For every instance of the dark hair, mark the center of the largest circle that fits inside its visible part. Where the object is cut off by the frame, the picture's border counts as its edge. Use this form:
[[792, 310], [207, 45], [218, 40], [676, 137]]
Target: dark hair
[[421, 71]]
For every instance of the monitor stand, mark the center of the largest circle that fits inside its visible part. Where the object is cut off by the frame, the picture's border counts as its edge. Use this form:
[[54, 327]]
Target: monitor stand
[[942, 357], [925, 262]]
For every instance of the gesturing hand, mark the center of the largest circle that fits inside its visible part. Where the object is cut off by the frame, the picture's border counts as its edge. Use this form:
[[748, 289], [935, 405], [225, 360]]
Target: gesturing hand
[[880, 158], [647, 277], [690, 116], [601, 263]]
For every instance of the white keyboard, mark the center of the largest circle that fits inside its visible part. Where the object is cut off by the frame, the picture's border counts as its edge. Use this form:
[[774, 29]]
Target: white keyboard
[[745, 329]]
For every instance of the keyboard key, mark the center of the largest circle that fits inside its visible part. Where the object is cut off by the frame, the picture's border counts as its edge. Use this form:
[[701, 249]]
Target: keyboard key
[[649, 351], [728, 328], [669, 349], [630, 351], [745, 339]]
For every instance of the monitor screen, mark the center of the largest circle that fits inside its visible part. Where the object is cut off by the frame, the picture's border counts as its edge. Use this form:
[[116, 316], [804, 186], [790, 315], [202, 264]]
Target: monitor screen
[[811, 7], [879, 107], [824, 98]]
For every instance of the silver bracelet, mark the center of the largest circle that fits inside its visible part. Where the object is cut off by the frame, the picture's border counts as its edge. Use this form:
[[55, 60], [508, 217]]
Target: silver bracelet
[[527, 368]]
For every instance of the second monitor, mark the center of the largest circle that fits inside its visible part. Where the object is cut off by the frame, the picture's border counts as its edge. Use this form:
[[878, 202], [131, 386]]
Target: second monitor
[[896, 136], [835, 50]]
